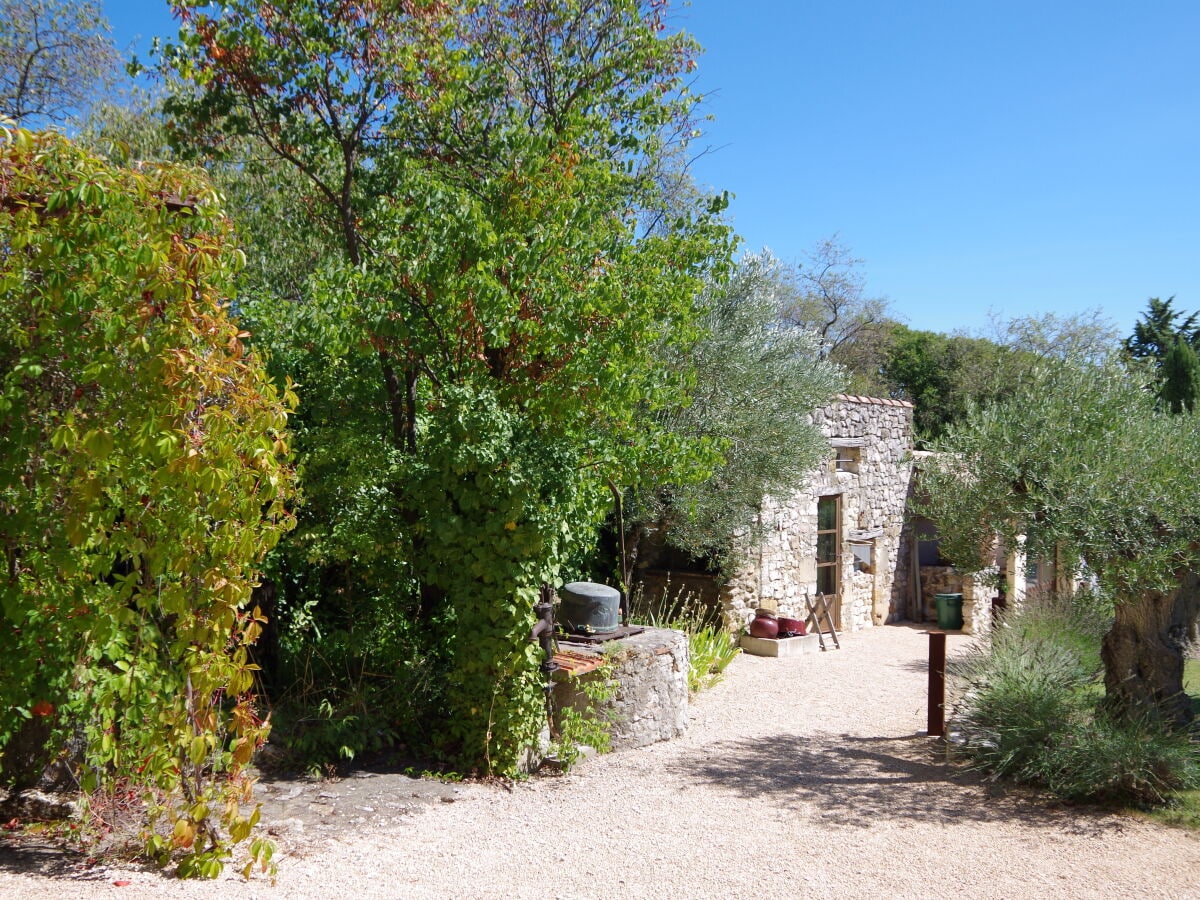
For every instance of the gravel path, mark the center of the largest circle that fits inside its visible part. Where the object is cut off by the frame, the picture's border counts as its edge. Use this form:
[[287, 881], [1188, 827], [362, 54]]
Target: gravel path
[[804, 777]]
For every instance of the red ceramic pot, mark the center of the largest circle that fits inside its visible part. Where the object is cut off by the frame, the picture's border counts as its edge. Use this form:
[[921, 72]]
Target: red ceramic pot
[[791, 626], [764, 627]]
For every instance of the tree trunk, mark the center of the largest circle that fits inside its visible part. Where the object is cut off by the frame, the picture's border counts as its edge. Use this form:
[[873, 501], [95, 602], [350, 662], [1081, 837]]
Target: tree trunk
[[1143, 652]]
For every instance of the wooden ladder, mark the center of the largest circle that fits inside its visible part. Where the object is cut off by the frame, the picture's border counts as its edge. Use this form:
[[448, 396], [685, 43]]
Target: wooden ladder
[[817, 611]]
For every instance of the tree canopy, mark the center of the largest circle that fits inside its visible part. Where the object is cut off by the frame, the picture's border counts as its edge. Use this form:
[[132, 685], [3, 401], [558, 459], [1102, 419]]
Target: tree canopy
[[479, 346], [1168, 340], [1155, 332], [56, 57], [944, 374], [1180, 371], [755, 381], [829, 297], [1079, 460]]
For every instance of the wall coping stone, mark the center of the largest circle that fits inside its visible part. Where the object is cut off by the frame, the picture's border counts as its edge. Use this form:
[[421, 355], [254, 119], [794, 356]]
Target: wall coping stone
[[873, 401]]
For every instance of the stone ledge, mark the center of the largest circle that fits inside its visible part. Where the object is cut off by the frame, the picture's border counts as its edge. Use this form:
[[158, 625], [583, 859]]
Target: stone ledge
[[781, 647]]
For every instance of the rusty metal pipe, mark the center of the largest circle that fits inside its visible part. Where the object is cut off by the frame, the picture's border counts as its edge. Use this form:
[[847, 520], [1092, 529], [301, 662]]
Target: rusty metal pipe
[[543, 633], [543, 629]]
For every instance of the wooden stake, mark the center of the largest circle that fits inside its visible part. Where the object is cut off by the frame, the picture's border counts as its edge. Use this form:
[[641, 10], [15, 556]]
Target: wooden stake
[[937, 683]]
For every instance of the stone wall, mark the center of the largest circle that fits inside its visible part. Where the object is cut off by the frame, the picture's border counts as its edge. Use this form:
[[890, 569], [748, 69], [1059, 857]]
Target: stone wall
[[978, 591], [651, 701], [938, 580], [873, 483]]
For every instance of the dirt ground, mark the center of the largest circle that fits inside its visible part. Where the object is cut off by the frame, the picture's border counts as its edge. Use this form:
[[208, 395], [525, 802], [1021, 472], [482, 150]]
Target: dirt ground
[[808, 776]]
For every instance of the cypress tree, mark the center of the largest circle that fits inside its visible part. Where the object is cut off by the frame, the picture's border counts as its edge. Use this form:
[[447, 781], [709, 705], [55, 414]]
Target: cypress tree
[[1180, 377]]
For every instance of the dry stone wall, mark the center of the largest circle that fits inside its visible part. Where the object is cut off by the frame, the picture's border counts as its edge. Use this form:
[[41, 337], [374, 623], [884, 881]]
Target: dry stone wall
[[938, 580], [651, 699], [874, 438]]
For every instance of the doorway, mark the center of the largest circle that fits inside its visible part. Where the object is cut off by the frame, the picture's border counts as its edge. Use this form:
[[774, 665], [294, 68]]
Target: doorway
[[829, 540]]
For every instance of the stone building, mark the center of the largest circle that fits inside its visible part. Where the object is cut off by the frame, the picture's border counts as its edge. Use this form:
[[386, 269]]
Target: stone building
[[1011, 578], [844, 534], [851, 534]]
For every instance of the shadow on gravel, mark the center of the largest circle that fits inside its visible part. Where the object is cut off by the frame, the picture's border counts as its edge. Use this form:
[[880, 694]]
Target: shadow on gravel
[[297, 812], [33, 857], [854, 782]]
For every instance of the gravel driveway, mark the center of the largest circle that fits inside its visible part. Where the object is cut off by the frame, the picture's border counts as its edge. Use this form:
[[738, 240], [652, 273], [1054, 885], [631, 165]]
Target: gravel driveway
[[804, 777]]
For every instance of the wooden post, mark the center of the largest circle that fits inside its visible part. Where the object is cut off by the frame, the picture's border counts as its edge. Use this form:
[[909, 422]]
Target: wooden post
[[916, 598], [937, 683]]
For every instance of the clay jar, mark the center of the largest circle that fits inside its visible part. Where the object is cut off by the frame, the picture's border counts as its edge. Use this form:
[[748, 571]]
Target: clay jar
[[790, 627], [764, 625]]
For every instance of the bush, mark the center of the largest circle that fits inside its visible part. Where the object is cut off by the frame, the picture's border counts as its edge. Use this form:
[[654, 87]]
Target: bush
[[143, 476], [1020, 700], [710, 651], [1122, 762], [1029, 708]]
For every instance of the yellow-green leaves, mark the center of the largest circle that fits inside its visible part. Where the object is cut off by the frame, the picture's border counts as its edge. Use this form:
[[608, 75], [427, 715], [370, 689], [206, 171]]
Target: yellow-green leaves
[[137, 493]]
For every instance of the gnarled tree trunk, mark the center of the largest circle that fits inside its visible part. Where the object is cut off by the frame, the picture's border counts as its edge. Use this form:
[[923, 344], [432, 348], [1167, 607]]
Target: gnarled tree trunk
[[1143, 652]]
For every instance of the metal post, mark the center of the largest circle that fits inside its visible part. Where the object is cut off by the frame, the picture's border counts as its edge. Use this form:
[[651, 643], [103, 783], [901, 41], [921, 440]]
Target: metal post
[[937, 683]]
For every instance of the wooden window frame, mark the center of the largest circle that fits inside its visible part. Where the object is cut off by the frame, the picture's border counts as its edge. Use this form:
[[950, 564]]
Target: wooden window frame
[[835, 563]]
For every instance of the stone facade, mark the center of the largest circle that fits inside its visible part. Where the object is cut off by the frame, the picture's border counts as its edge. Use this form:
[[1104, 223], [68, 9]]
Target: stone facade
[[869, 472]]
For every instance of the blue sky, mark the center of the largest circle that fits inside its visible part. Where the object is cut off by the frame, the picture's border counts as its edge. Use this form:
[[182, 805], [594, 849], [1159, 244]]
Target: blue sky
[[1018, 157]]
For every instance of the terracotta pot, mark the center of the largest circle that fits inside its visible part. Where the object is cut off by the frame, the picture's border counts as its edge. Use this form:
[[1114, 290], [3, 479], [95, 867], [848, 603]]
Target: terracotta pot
[[790, 627], [764, 627]]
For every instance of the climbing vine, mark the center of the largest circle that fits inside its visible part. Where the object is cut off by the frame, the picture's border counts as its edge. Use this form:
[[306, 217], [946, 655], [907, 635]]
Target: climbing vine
[[501, 505], [143, 475]]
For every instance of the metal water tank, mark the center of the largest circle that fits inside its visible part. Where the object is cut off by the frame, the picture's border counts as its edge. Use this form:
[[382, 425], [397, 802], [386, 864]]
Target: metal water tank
[[589, 608]]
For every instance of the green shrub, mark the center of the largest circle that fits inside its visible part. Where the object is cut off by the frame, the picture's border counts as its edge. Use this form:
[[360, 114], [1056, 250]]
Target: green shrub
[[1020, 700], [590, 723], [143, 475], [1121, 762], [1029, 706], [341, 695]]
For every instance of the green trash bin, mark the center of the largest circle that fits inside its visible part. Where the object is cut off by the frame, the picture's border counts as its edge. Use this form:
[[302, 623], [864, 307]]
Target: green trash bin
[[949, 611]]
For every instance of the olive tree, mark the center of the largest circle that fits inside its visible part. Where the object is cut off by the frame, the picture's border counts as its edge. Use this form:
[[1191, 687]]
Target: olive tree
[[1081, 459], [755, 380]]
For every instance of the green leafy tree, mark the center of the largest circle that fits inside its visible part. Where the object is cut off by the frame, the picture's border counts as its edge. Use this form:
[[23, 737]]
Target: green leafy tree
[[143, 476], [56, 57], [479, 350], [1168, 340], [754, 384], [1155, 333], [272, 205], [941, 375], [1079, 460]]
